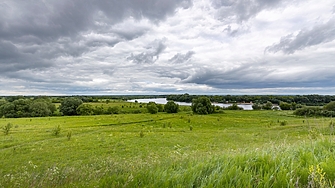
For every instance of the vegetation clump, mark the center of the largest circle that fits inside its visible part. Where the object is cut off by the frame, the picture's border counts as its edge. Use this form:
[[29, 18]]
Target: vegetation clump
[[7, 128], [202, 105], [152, 108], [171, 107], [69, 106]]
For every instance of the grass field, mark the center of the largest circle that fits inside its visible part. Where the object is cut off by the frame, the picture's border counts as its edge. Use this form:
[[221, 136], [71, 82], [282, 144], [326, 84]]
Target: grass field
[[233, 149]]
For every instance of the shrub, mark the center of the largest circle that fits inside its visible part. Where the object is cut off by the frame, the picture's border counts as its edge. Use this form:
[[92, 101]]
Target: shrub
[[234, 107], [7, 128], [69, 106], [202, 105], [56, 131], [171, 107], [152, 108], [330, 106]]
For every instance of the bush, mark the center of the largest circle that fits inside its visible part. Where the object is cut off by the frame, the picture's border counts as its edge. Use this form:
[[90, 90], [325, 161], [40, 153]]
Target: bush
[[234, 107], [56, 131], [202, 105], [257, 107], [85, 109], [171, 107], [69, 106], [330, 106], [7, 128], [152, 108]]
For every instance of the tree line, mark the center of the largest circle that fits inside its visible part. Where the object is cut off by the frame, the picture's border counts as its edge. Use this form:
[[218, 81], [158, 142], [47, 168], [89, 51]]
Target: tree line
[[308, 100]]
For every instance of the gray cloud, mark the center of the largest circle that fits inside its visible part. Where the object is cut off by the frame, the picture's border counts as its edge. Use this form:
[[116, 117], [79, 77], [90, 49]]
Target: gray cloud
[[151, 54], [181, 58], [260, 75], [319, 34], [36, 30]]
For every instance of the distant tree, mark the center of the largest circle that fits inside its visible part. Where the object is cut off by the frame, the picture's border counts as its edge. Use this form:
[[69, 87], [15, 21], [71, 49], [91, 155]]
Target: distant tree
[[85, 109], [160, 107], [152, 108], [113, 110], [285, 106], [39, 109], [8, 110], [171, 107], [69, 106], [234, 107], [268, 105], [257, 106], [330, 106], [202, 105]]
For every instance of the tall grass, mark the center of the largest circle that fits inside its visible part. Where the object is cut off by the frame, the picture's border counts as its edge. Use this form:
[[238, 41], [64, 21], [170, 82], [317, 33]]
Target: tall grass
[[235, 149]]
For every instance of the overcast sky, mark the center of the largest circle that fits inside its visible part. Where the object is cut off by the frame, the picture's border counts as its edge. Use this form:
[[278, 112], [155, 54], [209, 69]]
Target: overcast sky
[[74, 47]]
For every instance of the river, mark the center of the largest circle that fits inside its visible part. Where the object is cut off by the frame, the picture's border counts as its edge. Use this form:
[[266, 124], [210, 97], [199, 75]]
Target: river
[[164, 101]]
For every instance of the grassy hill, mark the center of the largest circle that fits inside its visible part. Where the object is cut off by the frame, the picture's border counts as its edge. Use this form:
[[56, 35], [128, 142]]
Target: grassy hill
[[233, 149]]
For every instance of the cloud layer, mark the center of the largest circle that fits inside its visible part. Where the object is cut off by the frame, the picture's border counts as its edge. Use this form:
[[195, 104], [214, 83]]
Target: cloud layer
[[167, 46]]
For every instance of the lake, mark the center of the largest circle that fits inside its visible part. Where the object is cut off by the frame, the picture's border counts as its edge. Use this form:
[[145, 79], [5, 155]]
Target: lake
[[164, 101]]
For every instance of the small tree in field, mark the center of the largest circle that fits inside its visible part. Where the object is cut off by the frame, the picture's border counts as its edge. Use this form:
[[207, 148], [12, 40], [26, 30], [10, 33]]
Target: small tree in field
[[152, 108], [171, 107], [202, 105]]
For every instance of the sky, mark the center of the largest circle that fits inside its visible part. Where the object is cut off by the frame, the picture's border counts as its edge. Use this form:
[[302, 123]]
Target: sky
[[151, 47]]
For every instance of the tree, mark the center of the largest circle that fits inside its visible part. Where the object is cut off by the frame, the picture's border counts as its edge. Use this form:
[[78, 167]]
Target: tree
[[69, 106], [171, 107], [39, 109], [85, 109], [257, 106], [268, 106], [285, 106], [330, 106], [152, 108], [202, 105]]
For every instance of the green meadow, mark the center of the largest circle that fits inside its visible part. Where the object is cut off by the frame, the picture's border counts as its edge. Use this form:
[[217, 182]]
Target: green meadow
[[229, 149]]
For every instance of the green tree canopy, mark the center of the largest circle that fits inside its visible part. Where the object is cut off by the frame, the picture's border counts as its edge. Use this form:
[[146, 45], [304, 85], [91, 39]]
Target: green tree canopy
[[171, 107], [69, 106], [152, 108], [202, 105], [330, 106]]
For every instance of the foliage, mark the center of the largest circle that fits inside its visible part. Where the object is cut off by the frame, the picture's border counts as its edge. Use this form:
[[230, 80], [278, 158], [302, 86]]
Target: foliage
[[309, 100], [202, 105], [171, 107], [152, 108], [85, 109], [56, 131], [27, 108], [234, 107], [330, 106], [268, 105], [285, 106], [257, 106], [7, 128], [69, 106], [313, 111]]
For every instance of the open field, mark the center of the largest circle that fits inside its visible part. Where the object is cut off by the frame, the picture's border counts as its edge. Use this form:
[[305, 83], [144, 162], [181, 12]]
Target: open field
[[233, 149]]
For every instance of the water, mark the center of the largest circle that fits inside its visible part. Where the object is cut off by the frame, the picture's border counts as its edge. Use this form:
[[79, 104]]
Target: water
[[164, 101]]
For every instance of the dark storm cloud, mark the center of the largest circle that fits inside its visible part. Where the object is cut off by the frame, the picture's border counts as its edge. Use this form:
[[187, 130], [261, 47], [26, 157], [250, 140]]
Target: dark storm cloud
[[11, 59], [49, 20], [242, 10], [259, 76], [151, 54], [32, 30], [181, 58], [319, 34]]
